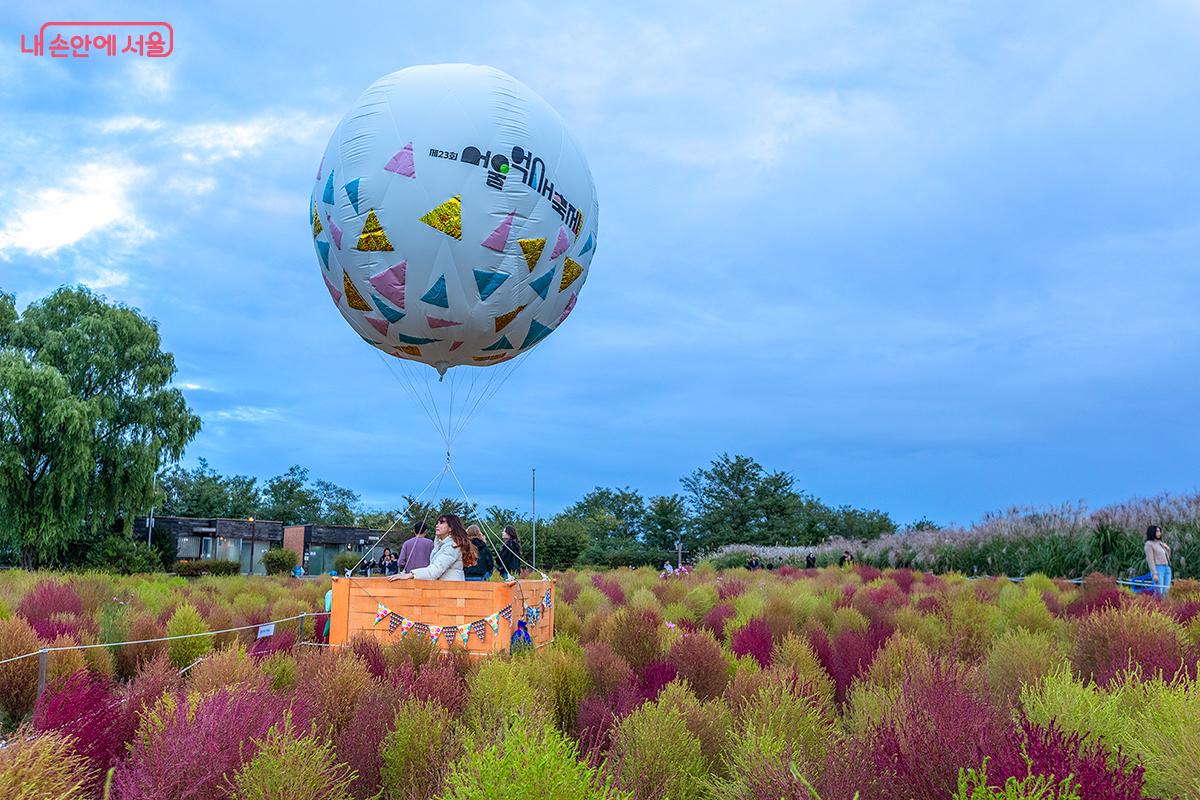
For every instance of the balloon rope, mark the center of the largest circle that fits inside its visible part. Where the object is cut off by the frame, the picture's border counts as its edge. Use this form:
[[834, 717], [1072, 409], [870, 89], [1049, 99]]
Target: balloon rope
[[486, 527], [411, 503]]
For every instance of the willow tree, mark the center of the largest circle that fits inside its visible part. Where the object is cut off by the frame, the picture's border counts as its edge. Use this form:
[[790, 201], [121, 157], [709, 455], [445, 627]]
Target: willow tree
[[87, 417]]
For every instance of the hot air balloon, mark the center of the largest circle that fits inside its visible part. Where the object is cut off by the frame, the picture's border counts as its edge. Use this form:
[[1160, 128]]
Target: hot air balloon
[[454, 217]]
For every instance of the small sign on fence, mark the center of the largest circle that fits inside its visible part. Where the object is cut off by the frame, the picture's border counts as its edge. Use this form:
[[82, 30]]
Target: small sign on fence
[[266, 630]]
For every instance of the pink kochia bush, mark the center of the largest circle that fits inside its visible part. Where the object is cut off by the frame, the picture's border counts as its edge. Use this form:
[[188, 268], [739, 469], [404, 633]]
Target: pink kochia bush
[[194, 752], [848, 655], [700, 663], [1099, 774], [611, 589], [754, 639], [48, 598], [86, 708]]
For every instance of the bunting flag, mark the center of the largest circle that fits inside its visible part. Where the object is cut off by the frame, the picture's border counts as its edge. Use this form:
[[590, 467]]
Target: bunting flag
[[394, 622], [381, 613], [434, 632], [548, 601], [494, 621], [449, 631], [406, 625], [466, 634], [479, 628], [420, 628], [506, 612]]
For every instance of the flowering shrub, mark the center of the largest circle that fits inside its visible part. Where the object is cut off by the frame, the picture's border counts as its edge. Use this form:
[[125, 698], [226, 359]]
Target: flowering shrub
[[43, 767], [754, 639], [424, 738], [18, 679], [699, 661], [292, 766]]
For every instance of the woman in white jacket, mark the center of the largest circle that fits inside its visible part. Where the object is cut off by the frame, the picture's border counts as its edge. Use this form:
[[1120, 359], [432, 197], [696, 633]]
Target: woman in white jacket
[[451, 552]]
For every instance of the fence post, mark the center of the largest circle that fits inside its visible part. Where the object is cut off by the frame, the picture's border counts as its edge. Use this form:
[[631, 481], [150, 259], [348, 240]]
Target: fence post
[[42, 671], [300, 628]]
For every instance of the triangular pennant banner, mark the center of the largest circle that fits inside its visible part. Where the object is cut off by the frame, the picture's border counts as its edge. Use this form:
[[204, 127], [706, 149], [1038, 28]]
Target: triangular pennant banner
[[561, 245], [373, 237], [494, 621], [532, 248], [378, 324], [394, 622], [547, 600], [537, 332], [333, 290], [352, 193], [436, 296], [323, 249], [571, 271], [327, 195], [420, 629], [316, 220], [402, 162], [588, 245], [500, 344], [434, 632], [389, 313], [353, 298], [567, 311], [381, 613], [406, 625], [447, 217], [489, 280], [449, 631], [506, 612], [438, 322], [498, 238], [503, 320], [390, 283], [542, 285], [466, 635], [479, 628]]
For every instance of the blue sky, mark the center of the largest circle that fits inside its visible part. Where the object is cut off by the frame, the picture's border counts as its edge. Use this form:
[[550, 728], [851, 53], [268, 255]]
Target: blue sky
[[934, 258]]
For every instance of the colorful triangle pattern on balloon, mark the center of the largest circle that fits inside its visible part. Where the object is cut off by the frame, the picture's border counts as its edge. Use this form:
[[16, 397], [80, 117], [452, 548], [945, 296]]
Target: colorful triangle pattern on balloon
[[320, 167], [537, 332], [542, 285], [532, 248], [402, 162], [412, 351], [447, 217], [415, 339], [316, 220], [352, 193], [390, 283], [562, 244], [323, 249], [334, 292], [498, 239], [588, 245], [438, 322], [353, 298], [389, 313], [567, 311], [503, 320], [327, 195], [373, 237], [378, 324], [571, 272], [334, 231], [489, 280], [436, 296], [500, 344]]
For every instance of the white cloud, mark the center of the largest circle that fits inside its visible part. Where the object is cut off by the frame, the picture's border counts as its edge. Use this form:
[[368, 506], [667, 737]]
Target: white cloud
[[129, 123], [153, 77], [96, 197], [247, 414], [217, 141], [105, 279]]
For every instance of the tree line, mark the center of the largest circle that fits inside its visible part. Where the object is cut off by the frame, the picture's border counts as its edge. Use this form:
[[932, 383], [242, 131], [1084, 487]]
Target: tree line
[[92, 432]]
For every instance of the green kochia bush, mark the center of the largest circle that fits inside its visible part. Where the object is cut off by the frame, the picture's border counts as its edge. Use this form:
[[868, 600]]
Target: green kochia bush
[[423, 740], [655, 754], [183, 652], [527, 760], [292, 767]]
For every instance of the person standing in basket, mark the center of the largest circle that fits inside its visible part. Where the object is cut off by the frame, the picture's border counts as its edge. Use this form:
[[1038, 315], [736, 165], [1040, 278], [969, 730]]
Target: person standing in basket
[[415, 552], [481, 570], [510, 552], [1158, 556], [452, 552]]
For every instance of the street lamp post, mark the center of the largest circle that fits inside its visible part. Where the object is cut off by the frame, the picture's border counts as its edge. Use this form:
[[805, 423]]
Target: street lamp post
[[253, 541]]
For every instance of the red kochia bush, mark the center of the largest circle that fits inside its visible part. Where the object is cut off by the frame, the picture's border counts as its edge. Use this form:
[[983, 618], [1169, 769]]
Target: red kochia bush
[[193, 756], [611, 589], [599, 715], [47, 598], [370, 650], [86, 708], [654, 678], [358, 744], [754, 639], [716, 618], [729, 588], [436, 681], [606, 669], [1098, 592], [848, 654], [1099, 774], [1110, 641], [942, 722], [700, 662]]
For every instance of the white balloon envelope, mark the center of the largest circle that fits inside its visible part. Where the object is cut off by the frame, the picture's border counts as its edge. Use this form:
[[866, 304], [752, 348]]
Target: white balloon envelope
[[454, 216]]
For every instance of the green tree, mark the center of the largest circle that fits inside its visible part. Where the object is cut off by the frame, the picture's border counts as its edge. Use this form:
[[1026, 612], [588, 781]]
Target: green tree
[[204, 492], [87, 418], [613, 513], [339, 505], [665, 522], [288, 498], [736, 500]]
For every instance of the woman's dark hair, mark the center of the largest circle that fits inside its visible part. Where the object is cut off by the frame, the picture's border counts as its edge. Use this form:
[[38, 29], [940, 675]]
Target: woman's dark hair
[[458, 534], [511, 531], [1152, 532]]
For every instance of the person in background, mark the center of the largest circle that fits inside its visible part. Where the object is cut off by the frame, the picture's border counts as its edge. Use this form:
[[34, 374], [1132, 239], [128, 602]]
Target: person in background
[[753, 563], [510, 552], [845, 558], [481, 570], [391, 564], [1158, 556], [450, 556], [810, 561], [415, 552]]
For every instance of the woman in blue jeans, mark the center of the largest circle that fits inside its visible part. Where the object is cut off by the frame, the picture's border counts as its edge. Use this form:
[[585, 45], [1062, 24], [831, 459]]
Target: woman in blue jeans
[[1158, 556]]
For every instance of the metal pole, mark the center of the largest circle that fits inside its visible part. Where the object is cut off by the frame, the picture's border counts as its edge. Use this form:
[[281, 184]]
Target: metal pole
[[300, 627], [42, 671], [534, 493], [253, 539], [678, 553], [150, 526]]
